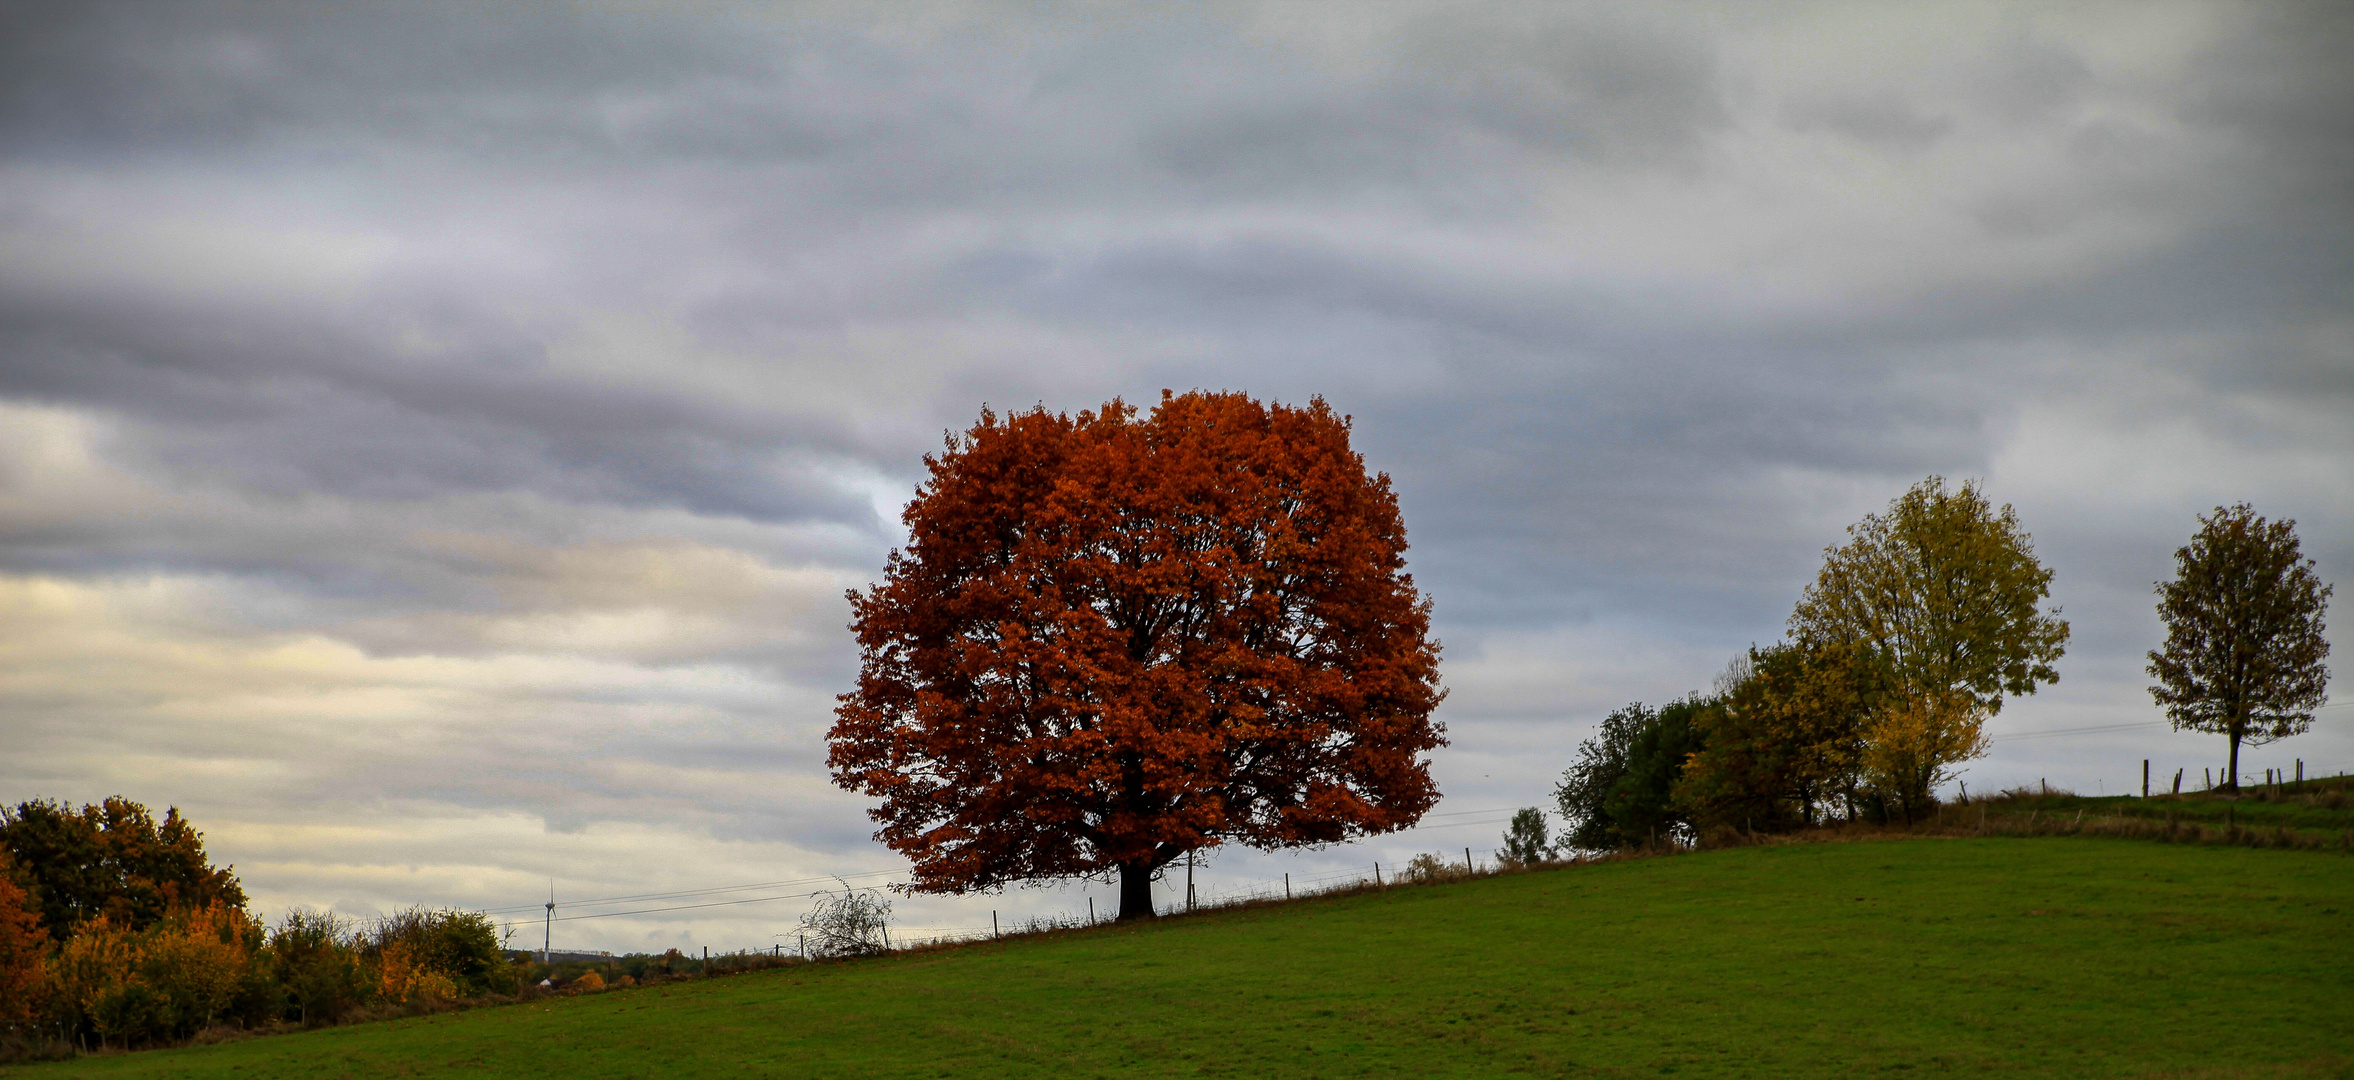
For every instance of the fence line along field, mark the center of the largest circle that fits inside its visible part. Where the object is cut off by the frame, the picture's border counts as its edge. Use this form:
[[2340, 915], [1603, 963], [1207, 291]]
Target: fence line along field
[[1936, 956]]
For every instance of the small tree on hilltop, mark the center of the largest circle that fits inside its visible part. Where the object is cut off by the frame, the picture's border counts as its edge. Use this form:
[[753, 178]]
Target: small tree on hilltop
[[2244, 646], [1524, 841], [1943, 591], [1115, 639]]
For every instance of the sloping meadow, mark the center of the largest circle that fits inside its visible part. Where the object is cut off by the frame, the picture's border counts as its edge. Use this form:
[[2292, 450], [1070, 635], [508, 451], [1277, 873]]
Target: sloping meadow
[[2017, 956]]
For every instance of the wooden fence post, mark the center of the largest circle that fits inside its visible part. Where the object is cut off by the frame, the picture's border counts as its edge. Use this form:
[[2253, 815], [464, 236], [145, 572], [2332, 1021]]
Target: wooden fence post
[[1377, 875], [2145, 778], [2178, 781], [1287, 886]]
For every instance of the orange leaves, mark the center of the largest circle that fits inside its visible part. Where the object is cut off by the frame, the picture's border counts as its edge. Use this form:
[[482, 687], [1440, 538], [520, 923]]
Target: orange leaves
[[1115, 638], [166, 981], [405, 976], [22, 940]]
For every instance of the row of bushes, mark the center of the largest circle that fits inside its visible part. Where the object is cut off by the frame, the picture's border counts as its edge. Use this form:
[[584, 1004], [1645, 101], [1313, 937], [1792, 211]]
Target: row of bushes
[[116, 930], [112, 984]]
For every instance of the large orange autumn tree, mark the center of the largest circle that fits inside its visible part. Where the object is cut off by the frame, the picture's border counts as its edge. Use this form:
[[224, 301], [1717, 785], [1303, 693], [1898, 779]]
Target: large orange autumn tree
[[1113, 639]]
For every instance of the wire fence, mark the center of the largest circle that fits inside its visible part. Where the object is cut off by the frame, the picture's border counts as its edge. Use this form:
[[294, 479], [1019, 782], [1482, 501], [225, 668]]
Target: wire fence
[[1224, 894], [1460, 864]]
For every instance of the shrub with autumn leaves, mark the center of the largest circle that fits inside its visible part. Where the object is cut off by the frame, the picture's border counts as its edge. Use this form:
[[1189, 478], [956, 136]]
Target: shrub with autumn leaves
[[23, 941], [156, 946], [162, 983]]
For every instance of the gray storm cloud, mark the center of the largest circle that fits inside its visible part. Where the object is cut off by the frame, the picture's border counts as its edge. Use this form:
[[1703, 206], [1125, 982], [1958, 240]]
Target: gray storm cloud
[[434, 439]]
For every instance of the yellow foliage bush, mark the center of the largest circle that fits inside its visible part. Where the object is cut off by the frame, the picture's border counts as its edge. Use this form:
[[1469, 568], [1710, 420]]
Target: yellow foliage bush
[[1913, 742], [404, 978], [165, 982], [589, 983]]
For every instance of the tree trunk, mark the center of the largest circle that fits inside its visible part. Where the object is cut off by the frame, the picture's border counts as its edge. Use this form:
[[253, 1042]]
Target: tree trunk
[[1136, 891], [2231, 777]]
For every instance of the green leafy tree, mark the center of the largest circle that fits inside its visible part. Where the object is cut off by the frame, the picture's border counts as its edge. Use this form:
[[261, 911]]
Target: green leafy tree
[[1524, 840], [1621, 792], [1786, 747], [1583, 795], [2244, 646], [112, 859], [315, 957], [460, 945], [1944, 590]]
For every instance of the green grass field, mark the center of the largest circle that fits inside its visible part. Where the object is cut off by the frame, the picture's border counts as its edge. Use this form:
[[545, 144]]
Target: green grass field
[[1922, 957]]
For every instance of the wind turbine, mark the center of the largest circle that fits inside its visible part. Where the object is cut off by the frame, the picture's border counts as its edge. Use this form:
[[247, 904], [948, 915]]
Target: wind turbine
[[548, 933]]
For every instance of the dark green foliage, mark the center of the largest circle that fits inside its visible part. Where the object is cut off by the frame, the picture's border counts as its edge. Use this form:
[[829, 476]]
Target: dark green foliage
[[1524, 840], [1785, 750], [1621, 792], [463, 945], [1584, 792], [314, 957], [112, 859]]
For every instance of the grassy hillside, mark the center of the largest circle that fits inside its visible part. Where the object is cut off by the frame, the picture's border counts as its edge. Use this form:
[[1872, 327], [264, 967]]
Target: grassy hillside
[[1925, 957]]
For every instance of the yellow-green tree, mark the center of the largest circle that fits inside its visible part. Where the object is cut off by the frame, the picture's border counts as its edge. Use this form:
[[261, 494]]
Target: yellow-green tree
[[1945, 591]]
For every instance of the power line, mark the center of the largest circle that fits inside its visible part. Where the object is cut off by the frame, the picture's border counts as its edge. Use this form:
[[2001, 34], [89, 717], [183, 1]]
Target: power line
[[2080, 730], [691, 907], [682, 894]]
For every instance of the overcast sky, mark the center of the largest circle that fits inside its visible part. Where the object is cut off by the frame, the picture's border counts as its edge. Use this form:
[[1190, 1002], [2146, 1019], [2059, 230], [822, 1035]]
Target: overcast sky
[[435, 440]]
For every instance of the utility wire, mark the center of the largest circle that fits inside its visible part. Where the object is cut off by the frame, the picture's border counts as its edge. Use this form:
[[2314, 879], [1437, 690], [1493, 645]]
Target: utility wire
[[2096, 728], [699, 892], [2045, 734], [689, 907]]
